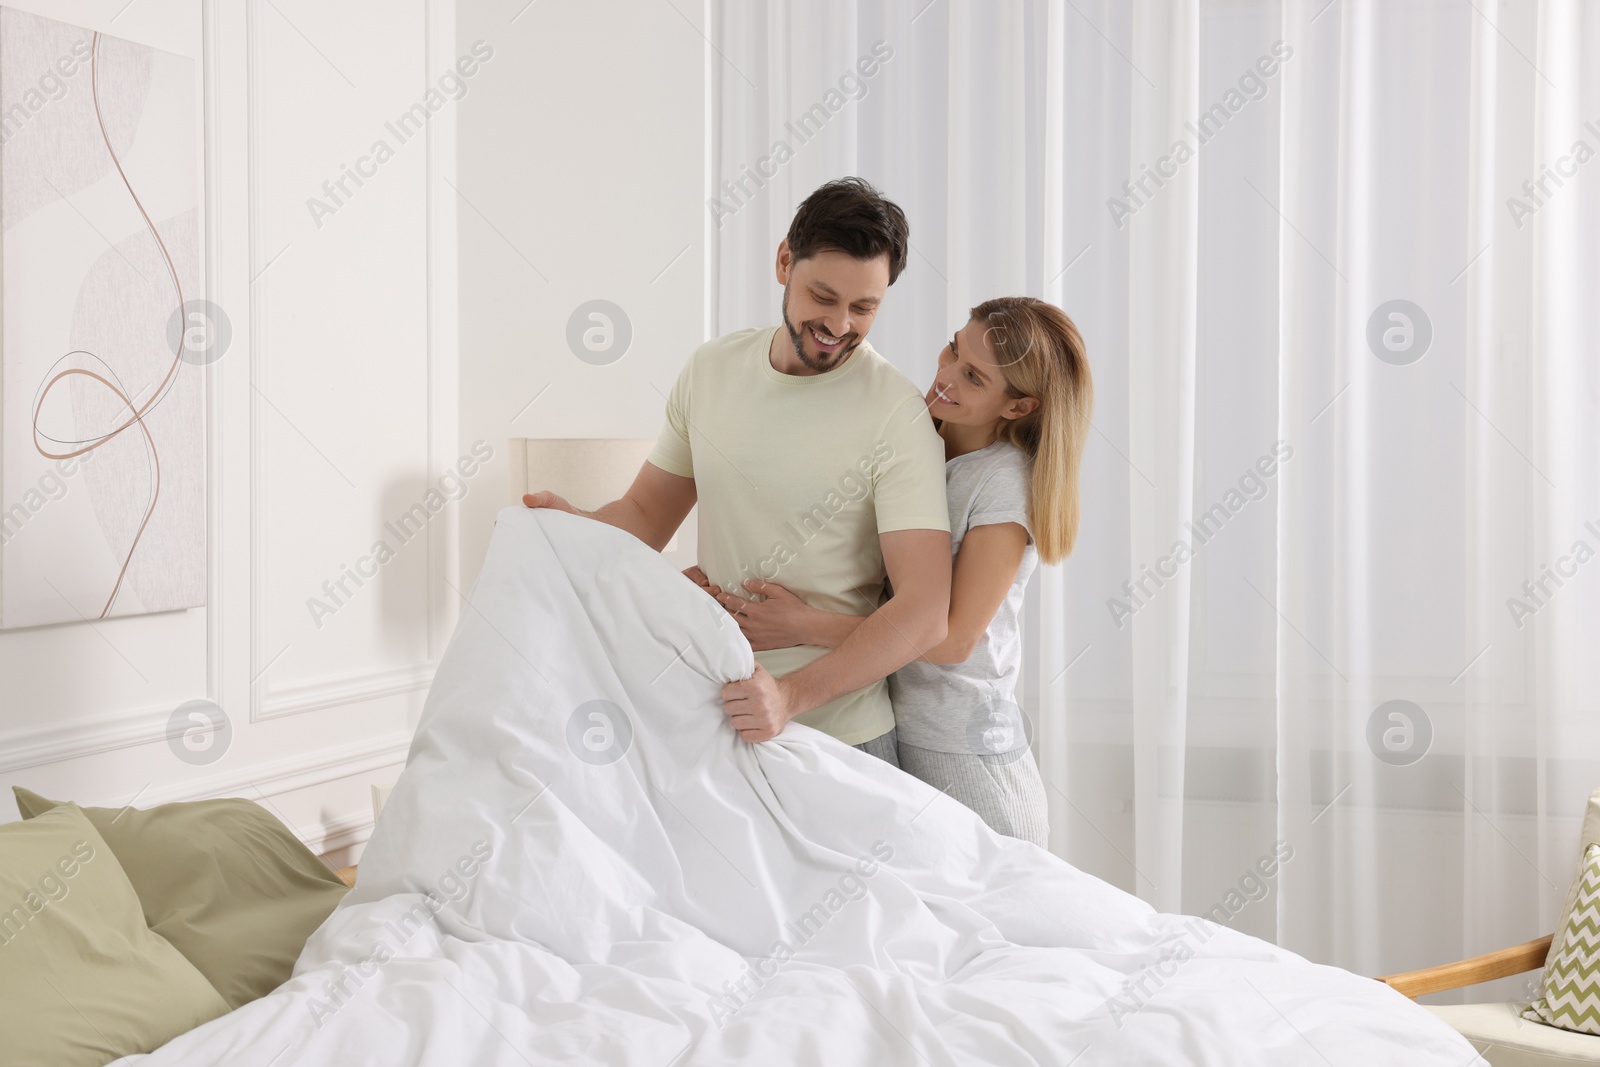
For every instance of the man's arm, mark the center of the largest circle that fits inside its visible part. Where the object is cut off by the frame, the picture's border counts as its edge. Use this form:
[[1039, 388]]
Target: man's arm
[[652, 509], [913, 621]]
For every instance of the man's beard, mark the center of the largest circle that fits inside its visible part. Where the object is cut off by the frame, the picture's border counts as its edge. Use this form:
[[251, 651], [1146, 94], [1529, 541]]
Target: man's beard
[[798, 339]]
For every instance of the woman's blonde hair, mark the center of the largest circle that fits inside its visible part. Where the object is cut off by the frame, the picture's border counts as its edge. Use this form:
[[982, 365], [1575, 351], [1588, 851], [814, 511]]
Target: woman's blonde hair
[[1041, 355]]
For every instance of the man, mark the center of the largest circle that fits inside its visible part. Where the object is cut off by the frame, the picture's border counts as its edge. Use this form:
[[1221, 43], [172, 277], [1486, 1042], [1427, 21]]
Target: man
[[815, 463]]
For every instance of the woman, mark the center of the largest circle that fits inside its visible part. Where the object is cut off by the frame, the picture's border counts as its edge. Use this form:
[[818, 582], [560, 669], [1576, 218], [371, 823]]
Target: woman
[[1012, 400]]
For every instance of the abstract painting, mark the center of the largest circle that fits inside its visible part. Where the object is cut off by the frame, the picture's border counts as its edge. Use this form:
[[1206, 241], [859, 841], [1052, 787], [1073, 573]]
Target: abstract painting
[[102, 416]]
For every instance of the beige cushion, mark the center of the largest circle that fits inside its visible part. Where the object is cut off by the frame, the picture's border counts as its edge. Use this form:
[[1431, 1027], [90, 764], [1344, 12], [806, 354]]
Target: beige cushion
[[1570, 998], [1506, 1039], [1590, 835]]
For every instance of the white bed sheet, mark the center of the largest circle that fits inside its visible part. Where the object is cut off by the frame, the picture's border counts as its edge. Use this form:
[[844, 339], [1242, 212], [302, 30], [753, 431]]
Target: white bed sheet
[[700, 900]]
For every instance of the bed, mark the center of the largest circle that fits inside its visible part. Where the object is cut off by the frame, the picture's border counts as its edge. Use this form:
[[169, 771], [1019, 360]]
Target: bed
[[582, 863]]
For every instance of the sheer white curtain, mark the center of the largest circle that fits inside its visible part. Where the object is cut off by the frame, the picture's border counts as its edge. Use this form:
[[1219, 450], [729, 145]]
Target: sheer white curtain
[[1336, 596]]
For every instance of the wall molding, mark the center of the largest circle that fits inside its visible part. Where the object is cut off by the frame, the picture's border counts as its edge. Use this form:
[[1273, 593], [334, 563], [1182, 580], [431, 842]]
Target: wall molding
[[116, 730], [340, 691], [289, 773], [441, 373], [76, 738], [255, 654], [261, 782], [341, 831], [441, 264]]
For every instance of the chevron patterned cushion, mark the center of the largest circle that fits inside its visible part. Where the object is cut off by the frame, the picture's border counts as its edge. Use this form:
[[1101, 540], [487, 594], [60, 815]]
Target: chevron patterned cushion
[[1572, 975]]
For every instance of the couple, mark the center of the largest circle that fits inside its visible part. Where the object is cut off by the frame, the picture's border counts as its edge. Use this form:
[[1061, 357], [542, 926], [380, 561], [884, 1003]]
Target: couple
[[833, 496]]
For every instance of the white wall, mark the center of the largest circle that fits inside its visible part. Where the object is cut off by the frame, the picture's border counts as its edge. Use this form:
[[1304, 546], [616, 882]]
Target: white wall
[[333, 411], [581, 169], [577, 175]]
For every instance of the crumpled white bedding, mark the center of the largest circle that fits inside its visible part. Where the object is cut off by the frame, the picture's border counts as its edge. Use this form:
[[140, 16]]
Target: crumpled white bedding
[[643, 888]]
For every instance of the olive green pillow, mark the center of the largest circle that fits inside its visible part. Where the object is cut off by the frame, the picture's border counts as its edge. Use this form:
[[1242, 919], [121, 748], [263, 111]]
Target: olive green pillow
[[83, 981], [229, 885]]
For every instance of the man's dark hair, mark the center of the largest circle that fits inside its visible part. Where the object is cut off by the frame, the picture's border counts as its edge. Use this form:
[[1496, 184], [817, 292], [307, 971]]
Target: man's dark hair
[[849, 215]]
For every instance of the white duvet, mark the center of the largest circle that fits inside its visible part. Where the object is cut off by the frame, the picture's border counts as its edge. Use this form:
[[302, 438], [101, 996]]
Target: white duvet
[[582, 863]]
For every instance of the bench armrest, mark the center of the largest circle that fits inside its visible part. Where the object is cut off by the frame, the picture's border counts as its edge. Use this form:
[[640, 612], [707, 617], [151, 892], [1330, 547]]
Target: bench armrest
[[1491, 965]]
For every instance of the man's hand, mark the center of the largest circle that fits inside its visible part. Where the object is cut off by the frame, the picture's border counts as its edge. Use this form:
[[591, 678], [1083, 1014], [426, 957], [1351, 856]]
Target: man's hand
[[698, 577], [914, 620], [778, 620], [758, 707], [544, 498]]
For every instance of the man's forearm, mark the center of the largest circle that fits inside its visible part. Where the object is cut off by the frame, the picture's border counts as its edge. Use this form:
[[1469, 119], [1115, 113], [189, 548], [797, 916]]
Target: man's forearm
[[883, 642], [626, 515], [651, 510], [830, 629]]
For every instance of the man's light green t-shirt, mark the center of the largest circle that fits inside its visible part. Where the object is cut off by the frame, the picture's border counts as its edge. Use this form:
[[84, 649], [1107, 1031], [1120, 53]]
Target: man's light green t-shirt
[[796, 477]]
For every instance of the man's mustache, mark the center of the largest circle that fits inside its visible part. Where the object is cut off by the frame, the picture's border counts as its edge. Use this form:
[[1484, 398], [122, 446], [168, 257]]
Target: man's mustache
[[847, 338]]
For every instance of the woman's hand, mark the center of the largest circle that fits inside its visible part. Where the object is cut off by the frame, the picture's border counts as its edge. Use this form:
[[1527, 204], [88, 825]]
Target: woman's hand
[[698, 577], [778, 620]]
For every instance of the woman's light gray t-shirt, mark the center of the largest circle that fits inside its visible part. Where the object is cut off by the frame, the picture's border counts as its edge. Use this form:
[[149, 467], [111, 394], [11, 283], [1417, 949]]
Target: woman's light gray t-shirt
[[970, 707]]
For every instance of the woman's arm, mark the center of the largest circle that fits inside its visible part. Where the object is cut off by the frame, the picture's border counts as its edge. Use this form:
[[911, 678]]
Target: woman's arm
[[984, 570], [780, 619]]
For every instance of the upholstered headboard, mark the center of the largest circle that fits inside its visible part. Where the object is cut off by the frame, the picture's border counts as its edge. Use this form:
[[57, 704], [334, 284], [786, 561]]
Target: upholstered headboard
[[589, 472]]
